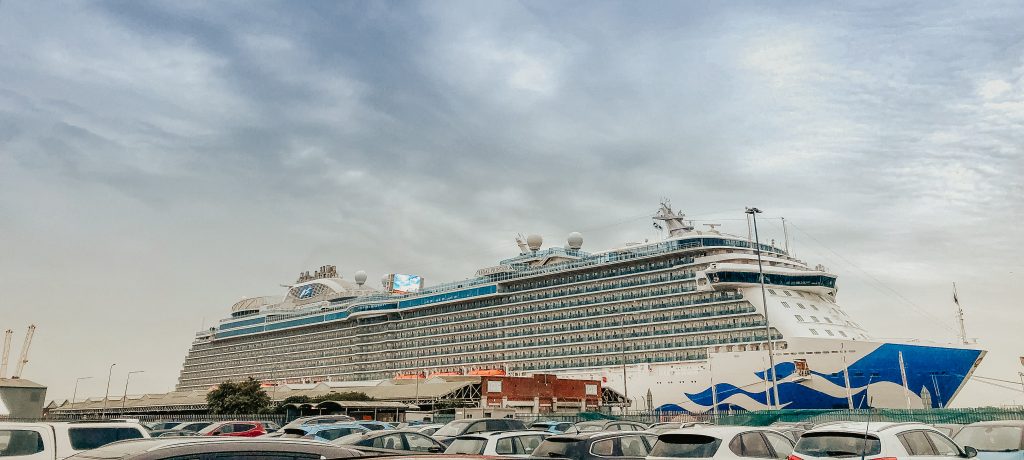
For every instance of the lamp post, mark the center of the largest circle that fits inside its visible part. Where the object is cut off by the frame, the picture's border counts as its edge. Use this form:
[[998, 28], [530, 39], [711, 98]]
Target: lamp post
[[75, 393], [124, 398], [106, 395], [764, 303]]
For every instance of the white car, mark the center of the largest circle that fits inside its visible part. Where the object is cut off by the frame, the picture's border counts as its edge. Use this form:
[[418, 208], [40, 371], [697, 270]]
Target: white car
[[877, 441], [519, 444], [427, 429], [721, 442], [59, 440]]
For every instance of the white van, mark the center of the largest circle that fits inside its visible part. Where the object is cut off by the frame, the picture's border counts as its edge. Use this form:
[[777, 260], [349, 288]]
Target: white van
[[60, 440]]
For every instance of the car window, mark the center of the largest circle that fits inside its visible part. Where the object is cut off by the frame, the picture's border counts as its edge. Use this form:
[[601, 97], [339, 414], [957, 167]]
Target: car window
[[780, 444], [242, 427], [686, 446], [527, 444], [504, 446], [389, 441], [991, 438], [632, 446], [93, 437], [837, 444], [496, 425], [418, 442], [15, 443], [563, 426], [478, 427], [750, 445], [472, 446], [604, 448], [916, 443], [942, 444]]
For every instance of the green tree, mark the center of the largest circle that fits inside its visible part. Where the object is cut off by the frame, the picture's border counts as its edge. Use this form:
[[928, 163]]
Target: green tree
[[245, 397], [344, 396]]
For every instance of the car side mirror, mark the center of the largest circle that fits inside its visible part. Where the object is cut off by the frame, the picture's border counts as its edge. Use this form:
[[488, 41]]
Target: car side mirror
[[435, 450], [970, 452]]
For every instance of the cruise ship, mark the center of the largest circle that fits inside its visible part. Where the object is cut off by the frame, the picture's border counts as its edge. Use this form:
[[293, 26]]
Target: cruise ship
[[681, 324]]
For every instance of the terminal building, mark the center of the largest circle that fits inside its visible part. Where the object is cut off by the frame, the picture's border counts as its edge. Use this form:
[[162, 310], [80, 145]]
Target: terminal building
[[390, 399]]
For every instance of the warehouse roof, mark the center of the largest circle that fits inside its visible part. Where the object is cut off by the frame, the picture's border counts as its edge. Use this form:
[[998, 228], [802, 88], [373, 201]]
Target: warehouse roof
[[19, 383]]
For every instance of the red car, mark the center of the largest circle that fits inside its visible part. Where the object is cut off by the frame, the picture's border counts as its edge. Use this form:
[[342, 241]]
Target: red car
[[235, 428]]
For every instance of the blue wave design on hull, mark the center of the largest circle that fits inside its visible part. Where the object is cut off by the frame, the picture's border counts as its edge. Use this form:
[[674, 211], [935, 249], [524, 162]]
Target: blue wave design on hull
[[938, 370]]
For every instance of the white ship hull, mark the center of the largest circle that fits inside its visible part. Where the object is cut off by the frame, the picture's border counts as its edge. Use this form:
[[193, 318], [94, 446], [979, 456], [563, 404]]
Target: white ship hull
[[739, 380]]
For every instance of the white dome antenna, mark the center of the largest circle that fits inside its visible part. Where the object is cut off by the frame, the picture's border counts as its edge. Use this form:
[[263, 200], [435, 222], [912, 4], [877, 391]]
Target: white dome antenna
[[534, 241], [575, 240], [360, 277]]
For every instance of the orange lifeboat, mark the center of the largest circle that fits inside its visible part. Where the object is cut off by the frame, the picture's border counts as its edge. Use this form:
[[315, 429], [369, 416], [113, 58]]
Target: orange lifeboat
[[487, 372], [445, 374], [408, 376]]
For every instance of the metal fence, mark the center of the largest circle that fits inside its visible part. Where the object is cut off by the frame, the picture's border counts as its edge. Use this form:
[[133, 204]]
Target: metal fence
[[767, 417], [754, 418]]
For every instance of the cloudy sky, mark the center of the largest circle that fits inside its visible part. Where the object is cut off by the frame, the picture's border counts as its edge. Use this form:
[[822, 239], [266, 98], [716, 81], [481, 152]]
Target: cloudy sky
[[161, 160]]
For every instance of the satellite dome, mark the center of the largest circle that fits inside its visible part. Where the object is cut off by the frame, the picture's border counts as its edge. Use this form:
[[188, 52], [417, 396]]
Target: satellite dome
[[360, 277], [575, 240], [534, 241]]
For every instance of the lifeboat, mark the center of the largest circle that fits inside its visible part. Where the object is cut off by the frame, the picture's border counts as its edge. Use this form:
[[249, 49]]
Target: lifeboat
[[408, 376], [487, 372]]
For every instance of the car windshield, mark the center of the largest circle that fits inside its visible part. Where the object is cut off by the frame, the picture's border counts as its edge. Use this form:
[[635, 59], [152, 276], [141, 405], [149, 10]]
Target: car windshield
[[453, 428], [838, 444], [686, 446], [93, 437], [991, 438], [473, 446], [557, 447]]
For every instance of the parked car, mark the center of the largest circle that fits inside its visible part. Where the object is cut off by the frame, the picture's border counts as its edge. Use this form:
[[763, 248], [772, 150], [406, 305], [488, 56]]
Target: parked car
[[518, 444], [161, 425], [328, 431], [606, 425], [792, 430], [455, 428], [602, 445], [665, 427], [551, 426], [889, 440], [722, 443], [241, 429], [428, 429], [375, 425], [997, 440], [949, 429], [225, 448], [192, 426], [317, 419], [171, 433], [270, 426], [59, 440], [391, 442]]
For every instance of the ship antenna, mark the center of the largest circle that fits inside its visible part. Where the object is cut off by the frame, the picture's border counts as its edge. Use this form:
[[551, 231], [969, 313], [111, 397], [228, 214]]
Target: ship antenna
[[960, 317]]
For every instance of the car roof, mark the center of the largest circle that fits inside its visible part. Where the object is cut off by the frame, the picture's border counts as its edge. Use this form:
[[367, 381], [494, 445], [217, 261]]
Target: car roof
[[502, 434], [717, 431], [592, 435], [861, 427], [999, 423], [329, 426], [145, 445]]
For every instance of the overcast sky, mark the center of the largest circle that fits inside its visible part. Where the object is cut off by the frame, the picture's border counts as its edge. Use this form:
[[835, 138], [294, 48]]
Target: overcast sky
[[161, 160]]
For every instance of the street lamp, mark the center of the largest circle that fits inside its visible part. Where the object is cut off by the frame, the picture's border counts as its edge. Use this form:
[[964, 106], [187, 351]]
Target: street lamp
[[106, 395], [764, 303], [75, 393], [124, 398]]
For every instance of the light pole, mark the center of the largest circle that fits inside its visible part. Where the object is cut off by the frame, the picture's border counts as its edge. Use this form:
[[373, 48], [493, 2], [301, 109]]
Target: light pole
[[75, 393], [106, 395], [764, 303], [124, 398]]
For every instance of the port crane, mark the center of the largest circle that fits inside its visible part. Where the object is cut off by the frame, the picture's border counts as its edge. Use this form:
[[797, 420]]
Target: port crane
[[7, 352], [23, 359]]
